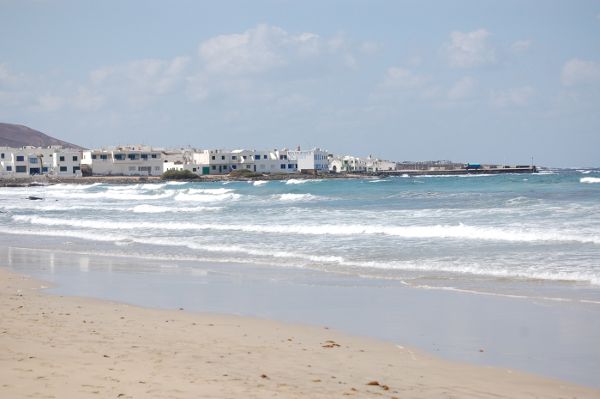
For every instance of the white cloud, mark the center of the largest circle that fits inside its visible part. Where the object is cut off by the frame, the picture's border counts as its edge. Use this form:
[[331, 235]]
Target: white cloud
[[521, 46], [517, 96], [49, 102], [370, 48], [87, 100], [470, 49], [462, 89], [8, 78], [580, 72], [403, 78], [152, 76], [256, 50]]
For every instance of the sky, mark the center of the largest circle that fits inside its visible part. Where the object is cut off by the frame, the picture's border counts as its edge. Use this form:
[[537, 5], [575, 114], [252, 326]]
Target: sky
[[469, 81]]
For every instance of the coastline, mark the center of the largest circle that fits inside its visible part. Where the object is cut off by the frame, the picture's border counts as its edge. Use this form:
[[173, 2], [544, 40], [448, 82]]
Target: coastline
[[79, 347], [48, 180]]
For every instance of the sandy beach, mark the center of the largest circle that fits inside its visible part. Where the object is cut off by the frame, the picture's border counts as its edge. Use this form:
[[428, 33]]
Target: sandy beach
[[69, 347]]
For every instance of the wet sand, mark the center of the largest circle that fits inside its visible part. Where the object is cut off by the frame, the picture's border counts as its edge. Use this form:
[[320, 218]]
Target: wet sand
[[69, 347]]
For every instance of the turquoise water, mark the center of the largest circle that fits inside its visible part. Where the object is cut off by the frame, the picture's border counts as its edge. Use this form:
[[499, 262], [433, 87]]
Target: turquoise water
[[532, 235]]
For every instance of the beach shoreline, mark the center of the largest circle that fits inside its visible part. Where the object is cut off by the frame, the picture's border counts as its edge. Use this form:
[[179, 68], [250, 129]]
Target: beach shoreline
[[78, 347]]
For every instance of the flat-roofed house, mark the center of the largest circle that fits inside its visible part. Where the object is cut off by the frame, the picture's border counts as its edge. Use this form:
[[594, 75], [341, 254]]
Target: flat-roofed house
[[310, 161], [124, 161]]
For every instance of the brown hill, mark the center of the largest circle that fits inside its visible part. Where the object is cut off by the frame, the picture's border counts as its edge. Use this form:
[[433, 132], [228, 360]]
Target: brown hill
[[18, 136]]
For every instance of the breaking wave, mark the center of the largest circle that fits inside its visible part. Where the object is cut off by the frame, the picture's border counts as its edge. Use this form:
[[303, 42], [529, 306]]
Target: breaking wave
[[289, 197], [170, 209], [589, 180], [463, 232]]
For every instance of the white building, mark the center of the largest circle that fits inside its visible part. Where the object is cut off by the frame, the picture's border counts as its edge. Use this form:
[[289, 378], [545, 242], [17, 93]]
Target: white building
[[347, 163], [379, 165], [308, 161], [258, 161], [31, 161], [124, 161]]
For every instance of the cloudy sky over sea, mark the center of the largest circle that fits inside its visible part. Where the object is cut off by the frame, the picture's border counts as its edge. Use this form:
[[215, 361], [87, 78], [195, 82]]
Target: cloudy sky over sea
[[490, 81]]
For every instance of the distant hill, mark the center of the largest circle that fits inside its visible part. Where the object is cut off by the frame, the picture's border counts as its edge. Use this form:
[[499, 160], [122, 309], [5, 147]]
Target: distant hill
[[19, 136]]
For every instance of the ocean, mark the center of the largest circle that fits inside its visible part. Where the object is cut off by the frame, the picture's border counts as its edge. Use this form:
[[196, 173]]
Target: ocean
[[500, 270], [533, 235]]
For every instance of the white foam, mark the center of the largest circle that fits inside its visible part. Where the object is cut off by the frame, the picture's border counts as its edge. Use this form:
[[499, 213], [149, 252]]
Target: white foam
[[146, 208], [259, 183], [296, 181], [121, 195], [290, 197], [207, 197], [589, 180], [176, 183], [460, 231], [213, 191]]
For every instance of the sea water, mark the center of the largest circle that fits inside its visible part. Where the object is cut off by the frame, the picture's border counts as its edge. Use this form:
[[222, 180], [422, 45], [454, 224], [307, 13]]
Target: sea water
[[499, 270], [531, 235]]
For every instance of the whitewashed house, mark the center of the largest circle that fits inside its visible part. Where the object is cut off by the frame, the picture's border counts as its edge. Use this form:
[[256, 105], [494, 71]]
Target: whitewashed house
[[309, 161], [31, 161], [348, 164], [66, 162], [379, 165], [259, 161], [124, 161]]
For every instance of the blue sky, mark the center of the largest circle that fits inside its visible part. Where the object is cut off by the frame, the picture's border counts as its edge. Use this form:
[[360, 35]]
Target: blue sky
[[478, 81]]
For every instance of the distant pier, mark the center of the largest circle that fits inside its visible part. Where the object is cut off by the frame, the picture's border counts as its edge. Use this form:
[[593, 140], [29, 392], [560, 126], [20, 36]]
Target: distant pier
[[482, 170]]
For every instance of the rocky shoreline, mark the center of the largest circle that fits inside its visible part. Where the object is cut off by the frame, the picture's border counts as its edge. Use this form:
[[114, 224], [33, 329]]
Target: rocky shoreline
[[50, 180]]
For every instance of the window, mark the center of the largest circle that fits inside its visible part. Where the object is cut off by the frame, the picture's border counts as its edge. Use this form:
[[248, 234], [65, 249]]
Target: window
[[223, 157], [63, 168], [214, 167], [282, 166], [154, 156], [265, 156], [9, 168], [93, 156], [62, 158], [233, 166], [2, 156], [45, 169], [247, 166], [145, 157], [33, 160], [233, 157], [282, 157], [21, 169], [75, 169], [103, 157], [119, 157], [213, 157], [290, 166], [131, 157], [20, 158], [257, 157], [193, 169], [74, 158]]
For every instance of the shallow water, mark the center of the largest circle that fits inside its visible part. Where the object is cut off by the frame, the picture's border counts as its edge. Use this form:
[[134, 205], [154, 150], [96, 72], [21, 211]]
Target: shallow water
[[554, 339], [526, 235]]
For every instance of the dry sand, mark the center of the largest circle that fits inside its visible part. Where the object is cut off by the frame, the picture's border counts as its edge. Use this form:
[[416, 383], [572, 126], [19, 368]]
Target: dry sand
[[65, 347]]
